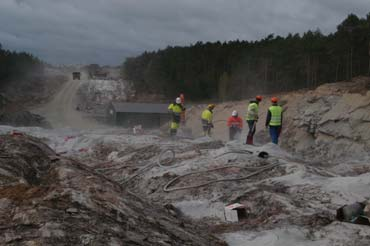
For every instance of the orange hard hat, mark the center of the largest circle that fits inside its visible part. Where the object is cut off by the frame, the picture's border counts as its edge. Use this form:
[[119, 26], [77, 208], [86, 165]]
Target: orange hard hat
[[259, 98], [274, 99]]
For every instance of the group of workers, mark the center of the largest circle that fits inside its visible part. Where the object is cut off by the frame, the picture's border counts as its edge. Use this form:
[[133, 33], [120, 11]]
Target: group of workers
[[273, 122]]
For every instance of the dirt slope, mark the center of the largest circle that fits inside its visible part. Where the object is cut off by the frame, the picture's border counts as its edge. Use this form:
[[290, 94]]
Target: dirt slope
[[49, 200]]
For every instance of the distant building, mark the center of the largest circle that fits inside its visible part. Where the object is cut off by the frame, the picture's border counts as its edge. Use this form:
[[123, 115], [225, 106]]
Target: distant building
[[132, 114], [76, 75]]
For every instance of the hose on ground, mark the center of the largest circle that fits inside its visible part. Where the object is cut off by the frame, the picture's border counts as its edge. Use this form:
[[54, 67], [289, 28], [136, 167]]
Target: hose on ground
[[140, 171], [150, 165], [160, 161], [243, 152], [258, 171]]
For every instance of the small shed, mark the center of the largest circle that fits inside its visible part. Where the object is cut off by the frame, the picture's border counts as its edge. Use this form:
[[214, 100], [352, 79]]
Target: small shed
[[76, 75], [148, 115]]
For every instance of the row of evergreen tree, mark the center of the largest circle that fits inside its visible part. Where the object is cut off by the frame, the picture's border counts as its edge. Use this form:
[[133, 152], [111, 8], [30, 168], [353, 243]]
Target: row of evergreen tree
[[238, 69], [17, 65]]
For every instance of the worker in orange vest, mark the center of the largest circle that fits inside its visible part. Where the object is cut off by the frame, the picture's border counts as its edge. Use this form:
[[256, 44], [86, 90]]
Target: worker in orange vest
[[235, 124]]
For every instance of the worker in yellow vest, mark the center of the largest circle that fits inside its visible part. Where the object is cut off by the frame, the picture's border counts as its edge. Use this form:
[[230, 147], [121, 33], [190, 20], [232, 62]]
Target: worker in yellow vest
[[207, 118], [252, 118], [175, 109], [274, 120]]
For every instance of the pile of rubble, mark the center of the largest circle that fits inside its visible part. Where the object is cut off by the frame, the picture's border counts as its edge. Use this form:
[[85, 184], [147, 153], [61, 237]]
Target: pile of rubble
[[46, 199]]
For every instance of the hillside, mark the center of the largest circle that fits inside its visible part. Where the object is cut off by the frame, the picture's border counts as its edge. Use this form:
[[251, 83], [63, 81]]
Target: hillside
[[238, 69]]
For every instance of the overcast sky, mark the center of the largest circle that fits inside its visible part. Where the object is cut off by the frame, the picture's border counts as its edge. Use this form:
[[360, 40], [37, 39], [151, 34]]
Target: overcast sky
[[107, 31]]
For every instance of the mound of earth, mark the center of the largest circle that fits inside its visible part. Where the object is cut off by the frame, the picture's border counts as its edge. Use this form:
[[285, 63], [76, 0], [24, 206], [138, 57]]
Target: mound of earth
[[15, 115], [49, 200]]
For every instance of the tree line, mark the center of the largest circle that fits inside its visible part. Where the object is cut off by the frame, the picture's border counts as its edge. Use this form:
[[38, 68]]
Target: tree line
[[239, 69], [17, 65]]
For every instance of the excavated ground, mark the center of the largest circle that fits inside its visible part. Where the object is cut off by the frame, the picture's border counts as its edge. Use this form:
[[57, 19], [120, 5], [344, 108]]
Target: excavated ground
[[51, 200], [295, 195], [291, 197], [292, 203]]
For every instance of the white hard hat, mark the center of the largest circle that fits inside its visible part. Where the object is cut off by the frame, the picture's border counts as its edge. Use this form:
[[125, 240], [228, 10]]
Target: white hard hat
[[234, 113], [178, 100]]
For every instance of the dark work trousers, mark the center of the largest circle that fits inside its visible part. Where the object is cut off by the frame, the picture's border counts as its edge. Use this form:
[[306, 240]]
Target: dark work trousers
[[252, 127], [206, 128], [274, 133], [234, 133]]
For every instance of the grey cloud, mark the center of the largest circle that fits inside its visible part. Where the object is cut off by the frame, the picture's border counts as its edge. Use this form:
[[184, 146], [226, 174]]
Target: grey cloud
[[107, 31]]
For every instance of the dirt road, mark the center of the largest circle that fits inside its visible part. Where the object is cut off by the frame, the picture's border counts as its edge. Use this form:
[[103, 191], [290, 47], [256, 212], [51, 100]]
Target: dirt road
[[61, 110]]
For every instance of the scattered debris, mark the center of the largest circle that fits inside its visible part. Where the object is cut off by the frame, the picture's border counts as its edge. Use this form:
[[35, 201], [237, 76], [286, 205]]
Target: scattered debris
[[235, 212], [357, 213]]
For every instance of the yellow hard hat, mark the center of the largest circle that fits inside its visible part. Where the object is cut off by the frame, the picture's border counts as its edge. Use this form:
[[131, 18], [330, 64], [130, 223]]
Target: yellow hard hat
[[211, 106]]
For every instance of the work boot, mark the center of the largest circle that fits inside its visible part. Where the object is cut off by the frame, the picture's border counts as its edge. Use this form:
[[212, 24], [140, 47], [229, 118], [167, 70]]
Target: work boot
[[249, 140]]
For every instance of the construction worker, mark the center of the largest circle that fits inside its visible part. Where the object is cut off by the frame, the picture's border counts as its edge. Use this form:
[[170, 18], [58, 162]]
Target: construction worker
[[175, 109], [235, 124], [207, 117], [252, 118], [274, 120]]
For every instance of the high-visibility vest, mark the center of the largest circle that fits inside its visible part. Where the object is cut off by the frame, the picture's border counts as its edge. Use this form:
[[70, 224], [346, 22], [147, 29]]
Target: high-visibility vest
[[207, 115], [176, 108], [236, 122], [176, 111], [252, 112], [276, 112]]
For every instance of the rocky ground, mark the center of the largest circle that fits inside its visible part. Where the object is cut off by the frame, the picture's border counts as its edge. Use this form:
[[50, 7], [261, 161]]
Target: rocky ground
[[291, 202], [151, 190], [47, 199]]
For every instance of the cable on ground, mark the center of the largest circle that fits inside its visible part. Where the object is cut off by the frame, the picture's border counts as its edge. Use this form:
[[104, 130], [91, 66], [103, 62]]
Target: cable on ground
[[259, 170]]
